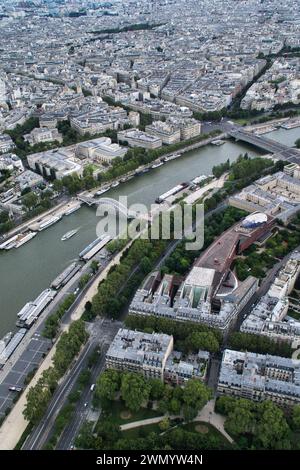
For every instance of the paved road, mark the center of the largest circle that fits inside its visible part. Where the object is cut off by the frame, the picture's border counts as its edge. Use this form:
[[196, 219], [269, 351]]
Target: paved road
[[31, 351], [82, 412], [41, 432]]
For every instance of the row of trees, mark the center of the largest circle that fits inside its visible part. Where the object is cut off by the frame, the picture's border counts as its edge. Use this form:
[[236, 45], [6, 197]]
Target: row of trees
[[188, 336], [67, 349], [258, 425], [66, 414], [259, 344], [115, 291], [180, 261], [136, 391], [5, 223], [243, 167], [53, 321], [134, 158]]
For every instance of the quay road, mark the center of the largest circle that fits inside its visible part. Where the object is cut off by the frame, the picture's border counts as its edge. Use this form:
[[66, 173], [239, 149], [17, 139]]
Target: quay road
[[101, 334], [33, 348], [84, 406]]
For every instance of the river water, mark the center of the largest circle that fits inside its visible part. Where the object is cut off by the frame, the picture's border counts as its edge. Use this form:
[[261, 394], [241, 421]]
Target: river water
[[25, 272]]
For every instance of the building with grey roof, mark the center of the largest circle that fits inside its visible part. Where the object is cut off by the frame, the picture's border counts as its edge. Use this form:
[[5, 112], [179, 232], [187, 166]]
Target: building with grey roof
[[192, 299], [152, 355], [137, 138], [55, 163], [270, 316], [101, 149], [260, 377], [277, 195]]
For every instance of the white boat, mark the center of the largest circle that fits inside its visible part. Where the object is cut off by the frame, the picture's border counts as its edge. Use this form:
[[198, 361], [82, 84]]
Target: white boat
[[8, 244], [24, 238], [101, 191], [156, 165], [290, 125], [114, 185], [218, 142], [73, 209], [49, 222], [68, 235], [173, 157]]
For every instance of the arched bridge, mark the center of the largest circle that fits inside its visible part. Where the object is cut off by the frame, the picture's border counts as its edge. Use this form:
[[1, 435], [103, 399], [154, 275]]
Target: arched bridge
[[109, 202]]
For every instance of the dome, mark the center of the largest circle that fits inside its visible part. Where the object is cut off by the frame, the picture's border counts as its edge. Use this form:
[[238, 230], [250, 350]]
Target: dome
[[254, 220]]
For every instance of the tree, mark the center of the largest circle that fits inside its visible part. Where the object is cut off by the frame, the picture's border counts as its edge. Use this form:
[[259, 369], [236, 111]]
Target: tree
[[83, 280], [203, 340], [195, 395], [241, 418], [157, 389], [107, 386], [37, 398], [94, 266], [85, 438], [189, 412], [296, 417], [164, 424], [272, 431], [146, 264], [57, 186], [30, 200], [134, 390]]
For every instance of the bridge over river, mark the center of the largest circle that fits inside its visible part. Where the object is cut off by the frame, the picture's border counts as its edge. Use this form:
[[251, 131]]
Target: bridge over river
[[281, 151]]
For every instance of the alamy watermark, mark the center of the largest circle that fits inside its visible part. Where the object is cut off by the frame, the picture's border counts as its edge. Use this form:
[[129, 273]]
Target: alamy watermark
[[178, 222]]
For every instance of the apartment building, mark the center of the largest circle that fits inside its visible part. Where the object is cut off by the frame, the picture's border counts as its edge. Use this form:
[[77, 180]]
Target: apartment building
[[270, 315], [153, 356], [137, 138], [260, 377], [167, 133]]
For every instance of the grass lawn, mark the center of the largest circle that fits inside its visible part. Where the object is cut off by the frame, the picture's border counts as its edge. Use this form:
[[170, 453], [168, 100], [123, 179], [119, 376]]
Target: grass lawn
[[242, 121], [294, 314], [142, 431], [119, 414], [202, 427]]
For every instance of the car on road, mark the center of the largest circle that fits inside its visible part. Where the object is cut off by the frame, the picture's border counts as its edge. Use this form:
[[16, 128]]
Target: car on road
[[15, 389], [85, 405], [92, 387], [76, 290]]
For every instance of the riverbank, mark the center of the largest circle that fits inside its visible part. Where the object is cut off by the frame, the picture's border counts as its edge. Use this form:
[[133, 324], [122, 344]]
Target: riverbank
[[27, 271]]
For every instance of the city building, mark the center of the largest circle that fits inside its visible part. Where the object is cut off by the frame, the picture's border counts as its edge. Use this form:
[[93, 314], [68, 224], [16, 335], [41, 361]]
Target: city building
[[164, 131], [152, 355], [101, 149], [270, 316], [29, 179], [11, 162], [43, 134], [260, 377], [55, 164], [140, 352], [210, 294], [6, 143], [136, 138], [277, 195]]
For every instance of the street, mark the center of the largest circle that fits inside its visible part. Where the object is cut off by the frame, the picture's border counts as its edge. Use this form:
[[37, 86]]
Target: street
[[100, 335]]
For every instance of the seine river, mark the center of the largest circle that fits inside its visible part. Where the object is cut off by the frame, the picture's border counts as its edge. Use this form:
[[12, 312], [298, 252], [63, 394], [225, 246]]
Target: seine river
[[25, 272]]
